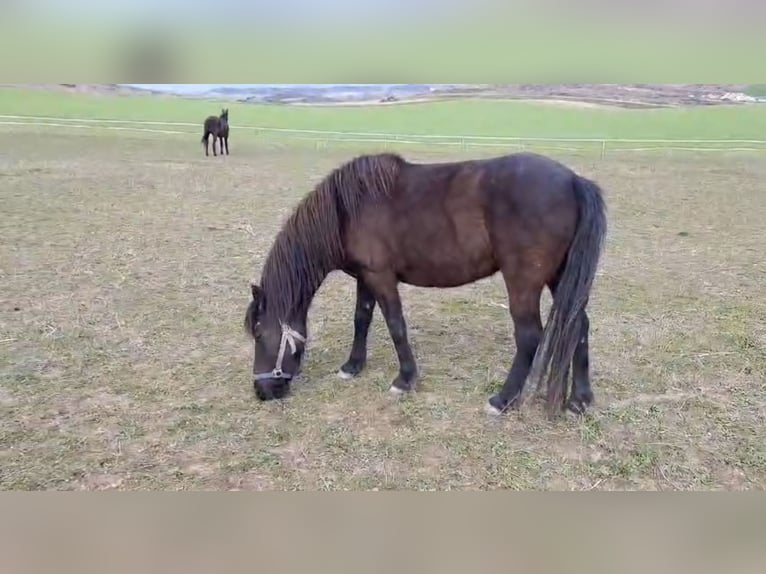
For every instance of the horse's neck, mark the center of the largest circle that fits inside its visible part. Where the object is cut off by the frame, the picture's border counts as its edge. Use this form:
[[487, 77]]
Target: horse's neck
[[292, 288], [293, 311]]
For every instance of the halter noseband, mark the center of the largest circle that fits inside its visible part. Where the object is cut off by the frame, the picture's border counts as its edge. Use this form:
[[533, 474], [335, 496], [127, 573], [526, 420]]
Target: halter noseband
[[289, 337]]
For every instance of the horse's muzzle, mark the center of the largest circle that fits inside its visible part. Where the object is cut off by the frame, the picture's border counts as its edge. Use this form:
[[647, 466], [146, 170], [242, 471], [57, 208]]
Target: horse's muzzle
[[270, 389]]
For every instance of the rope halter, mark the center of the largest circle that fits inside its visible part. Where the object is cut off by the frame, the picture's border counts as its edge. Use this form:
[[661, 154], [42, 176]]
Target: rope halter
[[290, 337]]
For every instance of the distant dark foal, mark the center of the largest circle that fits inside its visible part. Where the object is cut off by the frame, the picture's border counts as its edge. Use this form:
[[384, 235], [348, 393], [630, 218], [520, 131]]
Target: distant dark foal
[[218, 127], [385, 221]]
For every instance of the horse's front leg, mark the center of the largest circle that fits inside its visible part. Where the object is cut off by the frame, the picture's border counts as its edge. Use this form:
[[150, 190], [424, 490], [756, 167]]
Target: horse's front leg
[[365, 307], [384, 286]]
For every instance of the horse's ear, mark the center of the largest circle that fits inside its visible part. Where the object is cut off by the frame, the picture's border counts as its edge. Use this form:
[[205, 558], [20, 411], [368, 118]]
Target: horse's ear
[[254, 309], [259, 297]]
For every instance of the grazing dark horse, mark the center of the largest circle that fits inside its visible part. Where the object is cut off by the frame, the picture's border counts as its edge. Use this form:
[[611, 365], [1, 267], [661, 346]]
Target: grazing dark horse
[[218, 127], [384, 221]]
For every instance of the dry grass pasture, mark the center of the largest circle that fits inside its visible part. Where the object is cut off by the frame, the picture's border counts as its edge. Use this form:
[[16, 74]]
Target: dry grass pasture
[[125, 261]]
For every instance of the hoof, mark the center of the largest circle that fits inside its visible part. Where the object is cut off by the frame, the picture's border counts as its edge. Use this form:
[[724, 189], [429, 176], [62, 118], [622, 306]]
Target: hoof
[[396, 391], [344, 375], [492, 410], [351, 369], [579, 403], [576, 408], [499, 406], [402, 386]]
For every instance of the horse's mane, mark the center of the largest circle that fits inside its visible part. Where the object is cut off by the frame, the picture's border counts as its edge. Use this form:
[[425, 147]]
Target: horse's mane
[[311, 241]]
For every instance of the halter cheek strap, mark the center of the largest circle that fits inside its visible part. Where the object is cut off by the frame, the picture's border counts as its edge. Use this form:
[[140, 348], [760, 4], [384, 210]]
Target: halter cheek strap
[[289, 337]]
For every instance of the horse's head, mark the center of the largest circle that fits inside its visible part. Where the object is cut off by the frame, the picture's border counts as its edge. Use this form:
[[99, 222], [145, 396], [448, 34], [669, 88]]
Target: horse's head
[[225, 114], [278, 349]]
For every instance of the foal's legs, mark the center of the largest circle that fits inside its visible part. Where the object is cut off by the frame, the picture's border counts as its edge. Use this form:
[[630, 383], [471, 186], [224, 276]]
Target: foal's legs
[[206, 139], [524, 304], [365, 306], [384, 287], [226, 141]]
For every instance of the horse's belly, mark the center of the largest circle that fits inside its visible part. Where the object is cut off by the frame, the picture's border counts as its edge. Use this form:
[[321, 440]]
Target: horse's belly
[[425, 247], [444, 276], [447, 262], [445, 251]]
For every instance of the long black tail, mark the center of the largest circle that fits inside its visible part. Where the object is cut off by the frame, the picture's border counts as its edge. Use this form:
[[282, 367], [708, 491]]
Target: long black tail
[[563, 328]]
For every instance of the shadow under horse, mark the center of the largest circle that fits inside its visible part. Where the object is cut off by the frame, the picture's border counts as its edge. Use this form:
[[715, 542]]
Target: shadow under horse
[[218, 127], [384, 221]]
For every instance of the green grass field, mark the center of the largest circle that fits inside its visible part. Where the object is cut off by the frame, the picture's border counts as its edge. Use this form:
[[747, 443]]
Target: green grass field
[[125, 259], [462, 117]]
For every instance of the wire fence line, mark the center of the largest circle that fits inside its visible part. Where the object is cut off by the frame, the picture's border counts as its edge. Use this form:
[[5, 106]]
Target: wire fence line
[[80, 126], [330, 136]]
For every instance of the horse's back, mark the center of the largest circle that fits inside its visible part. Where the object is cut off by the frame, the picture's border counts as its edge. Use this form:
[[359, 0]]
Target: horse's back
[[430, 229], [513, 184], [451, 223], [211, 123]]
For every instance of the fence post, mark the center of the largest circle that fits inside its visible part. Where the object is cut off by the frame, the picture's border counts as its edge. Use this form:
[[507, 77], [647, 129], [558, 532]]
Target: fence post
[[603, 149]]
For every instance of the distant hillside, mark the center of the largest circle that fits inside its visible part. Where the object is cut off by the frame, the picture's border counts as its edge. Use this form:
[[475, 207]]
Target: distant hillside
[[621, 95]]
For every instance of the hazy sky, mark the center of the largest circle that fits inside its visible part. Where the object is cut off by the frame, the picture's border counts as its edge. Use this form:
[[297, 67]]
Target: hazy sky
[[230, 10]]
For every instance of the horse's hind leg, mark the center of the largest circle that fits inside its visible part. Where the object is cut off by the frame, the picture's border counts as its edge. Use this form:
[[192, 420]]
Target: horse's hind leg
[[582, 394], [384, 287], [524, 305], [365, 306], [206, 139]]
